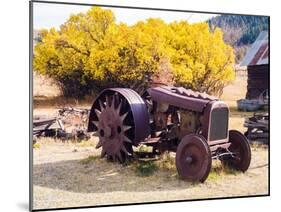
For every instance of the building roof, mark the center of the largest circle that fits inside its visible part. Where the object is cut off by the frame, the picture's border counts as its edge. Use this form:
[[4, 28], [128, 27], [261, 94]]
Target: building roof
[[258, 53]]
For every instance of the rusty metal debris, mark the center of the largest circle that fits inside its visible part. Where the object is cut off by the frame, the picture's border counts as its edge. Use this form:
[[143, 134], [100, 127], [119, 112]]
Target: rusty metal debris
[[70, 123], [257, 128], [260, 103], [167, 118]]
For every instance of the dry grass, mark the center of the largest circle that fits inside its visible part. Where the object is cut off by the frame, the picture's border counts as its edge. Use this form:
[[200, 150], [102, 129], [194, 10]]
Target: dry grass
[[44, 86], [47, 94], [67, 178], [235, 91], [87, 143], [231, 93], [45, 102], [89, 159]]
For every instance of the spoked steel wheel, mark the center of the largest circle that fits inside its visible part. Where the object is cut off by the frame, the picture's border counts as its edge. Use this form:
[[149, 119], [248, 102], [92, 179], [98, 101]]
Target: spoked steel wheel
[[119, 116], [240, 148], [193, 158]]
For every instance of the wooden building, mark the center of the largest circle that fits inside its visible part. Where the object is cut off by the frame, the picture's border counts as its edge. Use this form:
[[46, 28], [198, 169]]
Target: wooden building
[[256, 61]]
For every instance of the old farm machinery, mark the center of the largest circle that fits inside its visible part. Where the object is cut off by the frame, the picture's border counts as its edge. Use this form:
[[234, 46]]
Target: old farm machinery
[[192, 124], [257, 128], [69, 123]]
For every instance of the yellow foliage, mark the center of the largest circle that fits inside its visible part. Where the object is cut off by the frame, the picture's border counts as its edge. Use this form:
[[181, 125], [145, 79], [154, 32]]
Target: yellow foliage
[[91, 48], [201, 60]]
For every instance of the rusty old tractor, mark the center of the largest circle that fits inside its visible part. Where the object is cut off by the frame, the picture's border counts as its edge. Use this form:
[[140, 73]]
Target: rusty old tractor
[[166, 118]]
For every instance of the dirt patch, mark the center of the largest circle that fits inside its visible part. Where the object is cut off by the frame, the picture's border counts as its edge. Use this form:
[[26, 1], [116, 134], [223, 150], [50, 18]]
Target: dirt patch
[[70, 175]]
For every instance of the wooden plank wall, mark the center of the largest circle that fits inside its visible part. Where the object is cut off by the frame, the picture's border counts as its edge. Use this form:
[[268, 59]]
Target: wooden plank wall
[[258, 80]]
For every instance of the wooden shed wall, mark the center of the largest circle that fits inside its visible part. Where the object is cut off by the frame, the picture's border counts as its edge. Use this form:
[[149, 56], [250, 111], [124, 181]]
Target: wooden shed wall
[[258, 80]]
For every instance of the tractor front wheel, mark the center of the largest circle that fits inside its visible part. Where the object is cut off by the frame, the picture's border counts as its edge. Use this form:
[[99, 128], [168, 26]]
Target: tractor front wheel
[[241, 152], [193, 158]]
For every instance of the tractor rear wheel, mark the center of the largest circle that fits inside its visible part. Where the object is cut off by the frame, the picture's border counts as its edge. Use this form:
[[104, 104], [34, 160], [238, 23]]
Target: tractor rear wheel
[[193, 158], [120, 118]]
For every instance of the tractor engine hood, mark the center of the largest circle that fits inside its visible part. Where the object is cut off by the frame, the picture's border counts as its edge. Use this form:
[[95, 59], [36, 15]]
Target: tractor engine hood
[[181, 97]]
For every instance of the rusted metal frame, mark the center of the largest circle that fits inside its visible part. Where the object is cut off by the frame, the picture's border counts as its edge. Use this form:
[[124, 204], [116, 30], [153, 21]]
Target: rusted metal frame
[[164, 146], [215, 147], [223, 154], [38, 123], [48, 123], [73, 110], [217, 142], [255, 124], [42, 123], [257, 135]]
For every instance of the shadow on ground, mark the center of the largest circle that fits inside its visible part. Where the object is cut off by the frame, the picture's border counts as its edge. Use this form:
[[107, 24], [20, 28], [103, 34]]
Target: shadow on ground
[[102, 176]]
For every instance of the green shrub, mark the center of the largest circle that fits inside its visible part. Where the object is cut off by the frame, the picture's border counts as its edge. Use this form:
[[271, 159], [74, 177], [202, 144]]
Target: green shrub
[[145, 168]]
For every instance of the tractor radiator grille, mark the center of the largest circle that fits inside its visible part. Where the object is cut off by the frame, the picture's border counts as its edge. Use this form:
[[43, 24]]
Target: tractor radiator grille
[[219, 124]]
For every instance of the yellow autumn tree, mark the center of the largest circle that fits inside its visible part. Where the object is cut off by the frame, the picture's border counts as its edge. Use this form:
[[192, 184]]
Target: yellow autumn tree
[[200, 60], [128, 54], [91, 51], [64, 54]]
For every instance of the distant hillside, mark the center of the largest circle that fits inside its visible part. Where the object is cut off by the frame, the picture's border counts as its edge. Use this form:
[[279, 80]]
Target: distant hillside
[[239, 30]]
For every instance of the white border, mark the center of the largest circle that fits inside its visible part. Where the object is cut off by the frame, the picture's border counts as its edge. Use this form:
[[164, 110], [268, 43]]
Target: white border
[[14, 103]]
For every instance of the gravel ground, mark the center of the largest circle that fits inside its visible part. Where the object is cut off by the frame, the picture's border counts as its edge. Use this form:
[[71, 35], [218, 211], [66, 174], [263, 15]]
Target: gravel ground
[[62, 178]]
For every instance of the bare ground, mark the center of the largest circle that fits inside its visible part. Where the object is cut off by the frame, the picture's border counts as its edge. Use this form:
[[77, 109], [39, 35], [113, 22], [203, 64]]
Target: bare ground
[[65, 176]]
